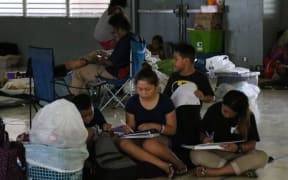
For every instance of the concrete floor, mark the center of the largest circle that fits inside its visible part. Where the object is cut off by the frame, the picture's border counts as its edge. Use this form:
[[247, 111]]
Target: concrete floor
[[272, 127]]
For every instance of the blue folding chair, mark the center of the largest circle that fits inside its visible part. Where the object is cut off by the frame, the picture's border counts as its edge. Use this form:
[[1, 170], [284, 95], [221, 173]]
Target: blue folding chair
[[114, 87], [47, 88], [45, 84]]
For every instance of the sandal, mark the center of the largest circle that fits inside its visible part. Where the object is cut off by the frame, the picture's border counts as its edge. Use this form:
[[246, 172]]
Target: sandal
[[199, 171], [250, 174]]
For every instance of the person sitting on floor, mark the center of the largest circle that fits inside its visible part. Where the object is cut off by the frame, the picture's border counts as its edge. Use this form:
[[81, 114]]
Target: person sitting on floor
[[189, 89], [156, 47], [91, 117], [229, 120], [276, 64], [98, 63], [280, 55], [147, 110]]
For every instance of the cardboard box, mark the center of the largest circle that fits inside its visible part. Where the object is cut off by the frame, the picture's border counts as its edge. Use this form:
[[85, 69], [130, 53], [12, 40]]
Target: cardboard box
[[208, 21]]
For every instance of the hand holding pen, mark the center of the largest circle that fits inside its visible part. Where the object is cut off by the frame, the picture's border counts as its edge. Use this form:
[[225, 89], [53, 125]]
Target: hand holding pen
[[209, 137], [127, 127]]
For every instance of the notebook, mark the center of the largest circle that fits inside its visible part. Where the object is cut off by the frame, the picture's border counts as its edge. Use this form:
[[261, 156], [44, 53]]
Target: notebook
[[208, 145], [141, 134]]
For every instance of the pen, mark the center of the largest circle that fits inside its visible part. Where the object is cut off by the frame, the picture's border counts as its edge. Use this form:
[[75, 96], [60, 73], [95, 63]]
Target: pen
[[129, 128]]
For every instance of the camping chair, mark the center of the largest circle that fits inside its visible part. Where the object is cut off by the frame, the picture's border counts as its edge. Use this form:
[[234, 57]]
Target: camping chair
[[114, 87], [47, 88], [41, 62]]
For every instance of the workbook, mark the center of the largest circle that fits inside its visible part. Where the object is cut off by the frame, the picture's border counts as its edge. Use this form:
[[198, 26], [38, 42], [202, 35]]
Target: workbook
[[141, 134], [206, 146]]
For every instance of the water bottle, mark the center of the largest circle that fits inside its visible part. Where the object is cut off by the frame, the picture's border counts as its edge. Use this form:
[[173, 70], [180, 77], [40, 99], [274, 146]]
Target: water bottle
[[212, 76], [211, 70]]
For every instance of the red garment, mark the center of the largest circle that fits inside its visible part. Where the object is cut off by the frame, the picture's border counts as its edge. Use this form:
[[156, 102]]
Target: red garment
[[107, 45], [123, 72]]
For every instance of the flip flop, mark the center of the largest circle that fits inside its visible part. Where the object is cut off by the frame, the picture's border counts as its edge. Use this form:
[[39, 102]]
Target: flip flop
[[250, 174]]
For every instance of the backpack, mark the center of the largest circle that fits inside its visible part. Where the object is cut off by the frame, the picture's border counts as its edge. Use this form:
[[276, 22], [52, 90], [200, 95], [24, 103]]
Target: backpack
[[112, 163], [12, 157]]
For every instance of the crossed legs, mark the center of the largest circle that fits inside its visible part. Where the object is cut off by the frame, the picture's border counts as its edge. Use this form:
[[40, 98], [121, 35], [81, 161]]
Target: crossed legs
[[154, 151], [217, 163]]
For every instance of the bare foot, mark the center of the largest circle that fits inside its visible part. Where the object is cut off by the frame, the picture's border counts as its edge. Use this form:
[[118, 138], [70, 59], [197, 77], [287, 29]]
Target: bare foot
[[181, 168], [169, 170], [199, 171]]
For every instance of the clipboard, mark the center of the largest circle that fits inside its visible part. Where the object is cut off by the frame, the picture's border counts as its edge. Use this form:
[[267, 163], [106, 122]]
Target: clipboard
[[208, 146]]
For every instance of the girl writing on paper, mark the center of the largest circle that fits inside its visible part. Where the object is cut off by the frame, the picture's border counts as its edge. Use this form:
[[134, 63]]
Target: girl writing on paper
[[147, 110], [229, 120]]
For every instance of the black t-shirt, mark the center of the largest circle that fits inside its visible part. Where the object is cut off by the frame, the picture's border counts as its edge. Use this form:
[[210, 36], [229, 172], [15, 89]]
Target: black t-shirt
[[98, 119], [222, 127], [176, 80], [188, 116], [155, 115], [120, 56]]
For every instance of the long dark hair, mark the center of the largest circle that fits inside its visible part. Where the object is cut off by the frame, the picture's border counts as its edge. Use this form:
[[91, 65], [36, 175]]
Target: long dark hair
[[82, 102], [147, 74], [239, 103], [119, 20]]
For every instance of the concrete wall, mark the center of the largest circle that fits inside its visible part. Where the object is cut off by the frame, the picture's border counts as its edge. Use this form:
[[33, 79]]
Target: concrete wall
[[244, 35], [284, 14], [272, 22], [70, 38]]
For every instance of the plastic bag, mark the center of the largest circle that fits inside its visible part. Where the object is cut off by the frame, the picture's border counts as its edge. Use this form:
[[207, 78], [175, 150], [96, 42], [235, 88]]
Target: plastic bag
[[250, 90], [59, 124], [184, 95], [219, 64], [103, 29], [163, 78]]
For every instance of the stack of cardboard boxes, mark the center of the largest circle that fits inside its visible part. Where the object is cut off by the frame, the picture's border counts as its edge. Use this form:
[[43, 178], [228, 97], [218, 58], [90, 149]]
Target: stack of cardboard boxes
[[207, 35]]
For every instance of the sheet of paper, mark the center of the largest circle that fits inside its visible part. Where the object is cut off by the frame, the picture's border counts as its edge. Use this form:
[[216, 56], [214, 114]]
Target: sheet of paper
[[209, 145], [199, 147], [184, 95]]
